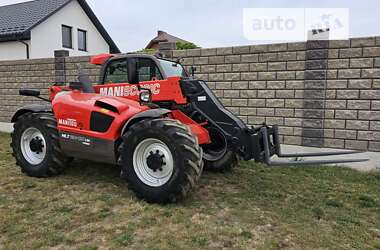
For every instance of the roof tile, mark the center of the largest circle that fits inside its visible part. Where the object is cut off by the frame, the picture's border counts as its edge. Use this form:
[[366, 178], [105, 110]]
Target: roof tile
[[21, 17]]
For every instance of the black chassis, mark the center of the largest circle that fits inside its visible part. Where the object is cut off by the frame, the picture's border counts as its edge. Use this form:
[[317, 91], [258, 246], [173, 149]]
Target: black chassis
[[240, 138]]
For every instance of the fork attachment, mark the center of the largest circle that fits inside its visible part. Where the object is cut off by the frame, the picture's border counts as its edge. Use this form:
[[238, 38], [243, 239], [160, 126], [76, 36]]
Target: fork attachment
[[270, 141]]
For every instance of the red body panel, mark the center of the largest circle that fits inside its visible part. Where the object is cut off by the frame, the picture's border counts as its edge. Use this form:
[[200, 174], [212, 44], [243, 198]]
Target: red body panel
[[162, 90], [100, 59], [73, 112], [54, 90], [73, 108], [201, 133]]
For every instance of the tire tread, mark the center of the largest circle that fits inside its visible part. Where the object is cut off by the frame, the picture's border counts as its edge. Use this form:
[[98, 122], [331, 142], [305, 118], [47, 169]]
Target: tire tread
[[56, 163], [193, 164]]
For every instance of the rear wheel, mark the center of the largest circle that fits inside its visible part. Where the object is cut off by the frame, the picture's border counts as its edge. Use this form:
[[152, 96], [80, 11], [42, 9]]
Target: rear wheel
[[226, 163], [216, 156], [161, 160], [36, 147]]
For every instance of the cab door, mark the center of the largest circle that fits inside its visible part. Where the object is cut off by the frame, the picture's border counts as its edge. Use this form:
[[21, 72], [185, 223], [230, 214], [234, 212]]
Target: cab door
[[122, 78], [116, 77]]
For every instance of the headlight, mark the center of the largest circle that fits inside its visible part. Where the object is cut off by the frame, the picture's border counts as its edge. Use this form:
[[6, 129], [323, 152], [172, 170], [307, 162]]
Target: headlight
[[145, 96]]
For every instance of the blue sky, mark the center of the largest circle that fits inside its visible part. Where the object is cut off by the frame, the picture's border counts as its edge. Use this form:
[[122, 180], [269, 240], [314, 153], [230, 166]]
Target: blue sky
[[209, 23]]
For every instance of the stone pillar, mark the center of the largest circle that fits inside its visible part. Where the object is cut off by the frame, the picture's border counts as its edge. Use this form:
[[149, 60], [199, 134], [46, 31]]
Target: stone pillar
[[315, 92], [60, 68]]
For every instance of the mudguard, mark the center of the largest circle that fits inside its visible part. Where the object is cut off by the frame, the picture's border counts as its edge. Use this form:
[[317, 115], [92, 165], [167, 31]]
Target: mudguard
[[35, 108], [151, 113]]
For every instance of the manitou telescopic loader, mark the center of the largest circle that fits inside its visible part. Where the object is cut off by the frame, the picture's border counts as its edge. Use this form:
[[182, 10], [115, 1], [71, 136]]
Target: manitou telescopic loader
[[148, 116]]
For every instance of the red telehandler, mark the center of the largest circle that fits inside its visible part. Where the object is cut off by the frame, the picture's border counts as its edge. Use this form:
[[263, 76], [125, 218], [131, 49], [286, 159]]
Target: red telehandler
[[148, 116]]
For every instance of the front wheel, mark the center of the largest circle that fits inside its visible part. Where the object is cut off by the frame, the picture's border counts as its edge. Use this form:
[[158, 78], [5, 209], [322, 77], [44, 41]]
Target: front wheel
[[161, 160], [36, 146]]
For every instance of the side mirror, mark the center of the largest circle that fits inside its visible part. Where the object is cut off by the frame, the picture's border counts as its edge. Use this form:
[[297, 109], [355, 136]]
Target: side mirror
[[32, 93], [29, 92]]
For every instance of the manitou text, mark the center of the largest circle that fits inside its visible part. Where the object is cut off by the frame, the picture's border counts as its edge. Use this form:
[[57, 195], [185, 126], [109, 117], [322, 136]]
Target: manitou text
[[129, 90]]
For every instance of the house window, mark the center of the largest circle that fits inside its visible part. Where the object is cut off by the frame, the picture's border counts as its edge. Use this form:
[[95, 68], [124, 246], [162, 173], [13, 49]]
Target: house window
[[82, 40], [67, 37]]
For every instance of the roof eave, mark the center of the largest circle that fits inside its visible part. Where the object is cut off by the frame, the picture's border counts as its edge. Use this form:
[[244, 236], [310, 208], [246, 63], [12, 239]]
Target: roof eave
[[93, 18], [15, 37]]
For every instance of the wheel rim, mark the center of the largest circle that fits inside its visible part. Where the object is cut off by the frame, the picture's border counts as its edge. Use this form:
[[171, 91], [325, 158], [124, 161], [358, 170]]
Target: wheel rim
[[33, 146], [153, 162], [218, 147]]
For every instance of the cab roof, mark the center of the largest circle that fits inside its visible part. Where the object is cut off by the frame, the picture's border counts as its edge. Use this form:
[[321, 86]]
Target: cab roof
[[102, 58]]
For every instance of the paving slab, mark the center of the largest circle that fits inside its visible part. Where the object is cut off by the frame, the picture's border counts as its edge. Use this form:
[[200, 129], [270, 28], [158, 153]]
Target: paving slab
[[6, 127]]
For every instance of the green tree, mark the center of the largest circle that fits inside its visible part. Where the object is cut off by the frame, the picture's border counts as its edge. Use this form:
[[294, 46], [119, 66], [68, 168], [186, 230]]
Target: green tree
[[186, 45]]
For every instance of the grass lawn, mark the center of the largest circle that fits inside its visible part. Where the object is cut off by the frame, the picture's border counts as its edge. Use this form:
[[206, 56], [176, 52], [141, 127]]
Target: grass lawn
[[254, 206]]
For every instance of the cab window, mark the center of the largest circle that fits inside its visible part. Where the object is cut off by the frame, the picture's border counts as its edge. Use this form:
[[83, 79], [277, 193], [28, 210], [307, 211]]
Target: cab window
[[147, 70], [172, 68], [117, 72]]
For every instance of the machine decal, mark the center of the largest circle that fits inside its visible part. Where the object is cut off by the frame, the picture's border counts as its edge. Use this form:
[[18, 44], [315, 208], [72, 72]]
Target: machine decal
[[84, 140], [202, 98], [68, 122], [131, 90]]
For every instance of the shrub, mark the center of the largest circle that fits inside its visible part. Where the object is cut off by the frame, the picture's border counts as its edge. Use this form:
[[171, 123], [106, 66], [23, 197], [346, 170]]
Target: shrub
[[146, 51], [187, 45]]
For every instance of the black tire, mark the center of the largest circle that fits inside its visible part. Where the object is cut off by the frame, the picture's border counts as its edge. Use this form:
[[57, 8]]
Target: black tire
[[54, 160], [186, 154], [217, 157], [226, 163]]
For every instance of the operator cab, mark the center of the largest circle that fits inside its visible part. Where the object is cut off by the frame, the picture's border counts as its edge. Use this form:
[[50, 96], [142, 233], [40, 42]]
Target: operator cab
[[135, 68], [130, 75]]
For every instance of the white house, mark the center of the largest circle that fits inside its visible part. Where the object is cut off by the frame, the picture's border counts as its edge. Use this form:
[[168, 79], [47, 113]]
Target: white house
[[35, 29]]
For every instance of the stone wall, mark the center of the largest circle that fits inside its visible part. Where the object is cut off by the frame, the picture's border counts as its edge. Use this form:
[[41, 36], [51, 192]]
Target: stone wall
[[36, 74], [321, 93]]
